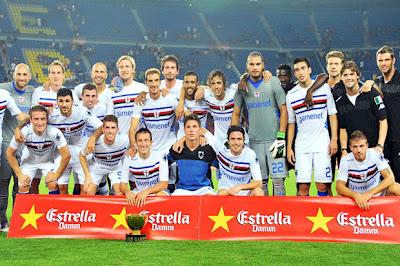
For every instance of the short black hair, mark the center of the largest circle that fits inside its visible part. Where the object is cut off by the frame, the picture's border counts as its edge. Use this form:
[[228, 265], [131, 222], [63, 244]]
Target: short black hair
[[235, 128], [191, 73], [64, 92], [143, 130], [191, 117], [89, 87], [302, 59], [285, 67]]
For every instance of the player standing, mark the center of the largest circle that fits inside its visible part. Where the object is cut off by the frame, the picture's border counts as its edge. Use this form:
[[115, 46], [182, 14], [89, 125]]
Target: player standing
[[266, 101], [313, 146]]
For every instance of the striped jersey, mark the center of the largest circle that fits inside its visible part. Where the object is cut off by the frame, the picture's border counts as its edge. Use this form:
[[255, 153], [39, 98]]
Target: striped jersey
[[145, 173], [72, 126], [221, 111], [362, 176], [100, 111], [200, 108], [158, 116], [6, 103], [46, 98], [235, 169], [124, 103], [39, 148], [312, 124], [110, 155]]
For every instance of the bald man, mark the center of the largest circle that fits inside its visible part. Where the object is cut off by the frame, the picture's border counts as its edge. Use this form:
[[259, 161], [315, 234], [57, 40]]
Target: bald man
[[21, 92]]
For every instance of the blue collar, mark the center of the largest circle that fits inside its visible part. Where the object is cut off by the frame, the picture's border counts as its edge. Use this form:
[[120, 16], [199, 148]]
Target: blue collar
[[20, 92], [255, 84]]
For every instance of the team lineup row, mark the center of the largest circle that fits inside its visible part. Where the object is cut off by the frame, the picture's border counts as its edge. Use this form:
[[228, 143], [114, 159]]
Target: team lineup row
[[157, 105]]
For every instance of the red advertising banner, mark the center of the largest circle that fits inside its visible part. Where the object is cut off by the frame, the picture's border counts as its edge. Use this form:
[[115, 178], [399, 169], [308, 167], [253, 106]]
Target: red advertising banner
[[210, 218]]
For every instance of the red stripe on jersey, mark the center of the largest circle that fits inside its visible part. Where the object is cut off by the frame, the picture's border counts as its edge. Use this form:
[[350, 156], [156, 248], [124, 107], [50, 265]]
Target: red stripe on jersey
[[153, 114]]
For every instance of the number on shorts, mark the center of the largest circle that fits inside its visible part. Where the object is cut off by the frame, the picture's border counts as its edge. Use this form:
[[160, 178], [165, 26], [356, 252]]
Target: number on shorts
[[277, 168], [328, 173]]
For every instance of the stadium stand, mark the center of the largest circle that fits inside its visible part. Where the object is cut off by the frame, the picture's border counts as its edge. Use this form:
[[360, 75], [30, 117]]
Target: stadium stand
[[203, 35]]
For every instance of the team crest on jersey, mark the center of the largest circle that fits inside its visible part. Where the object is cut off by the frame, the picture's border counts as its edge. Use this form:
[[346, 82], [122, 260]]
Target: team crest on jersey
[[156, 114], [40, 146], [127, 100], [21, 99], [67, 129], [257, 94], [231, 166], [109, 157], [222, 108], [146, 172], [200, 154]]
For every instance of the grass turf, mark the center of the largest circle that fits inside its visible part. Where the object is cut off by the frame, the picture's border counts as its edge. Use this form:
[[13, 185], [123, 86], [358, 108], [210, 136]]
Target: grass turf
[[110, 252]]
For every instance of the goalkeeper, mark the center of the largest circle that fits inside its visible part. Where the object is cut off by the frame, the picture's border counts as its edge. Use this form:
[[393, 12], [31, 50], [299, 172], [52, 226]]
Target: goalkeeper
[[267, 116]]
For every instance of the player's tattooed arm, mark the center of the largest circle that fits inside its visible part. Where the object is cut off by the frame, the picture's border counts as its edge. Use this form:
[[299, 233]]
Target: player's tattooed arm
[[319, 81]]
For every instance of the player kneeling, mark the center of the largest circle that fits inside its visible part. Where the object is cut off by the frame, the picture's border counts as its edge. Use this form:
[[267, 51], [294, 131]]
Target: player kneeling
[[108, 154], [364, 173], [41, 144], [148, 170]]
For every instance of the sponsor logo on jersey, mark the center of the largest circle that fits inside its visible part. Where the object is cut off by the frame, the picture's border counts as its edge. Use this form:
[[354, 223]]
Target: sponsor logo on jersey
[[365, 225], [166, 222], [70, 220]]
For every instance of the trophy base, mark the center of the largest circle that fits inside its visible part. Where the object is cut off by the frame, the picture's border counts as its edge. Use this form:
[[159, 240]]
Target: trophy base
[[135, 238]]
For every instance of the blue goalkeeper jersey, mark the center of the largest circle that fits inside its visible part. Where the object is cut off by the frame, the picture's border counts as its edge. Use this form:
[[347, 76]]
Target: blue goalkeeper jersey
[[194, 166]]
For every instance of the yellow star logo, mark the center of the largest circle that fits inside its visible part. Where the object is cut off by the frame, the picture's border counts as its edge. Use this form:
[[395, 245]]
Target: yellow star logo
[[320, 221], [120, 219], [31, 218], [221, 220]]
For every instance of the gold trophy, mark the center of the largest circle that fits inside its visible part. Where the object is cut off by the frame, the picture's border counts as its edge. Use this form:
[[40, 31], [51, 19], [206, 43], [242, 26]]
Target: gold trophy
[[136, 223]]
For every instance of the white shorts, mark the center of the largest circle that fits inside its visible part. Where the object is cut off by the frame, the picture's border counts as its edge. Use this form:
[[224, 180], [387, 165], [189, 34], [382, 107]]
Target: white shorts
[[74, 165], [32, 169], [240, 193], [320, 162], [98, 172], [166, 192], [198, 192], [276, 168]]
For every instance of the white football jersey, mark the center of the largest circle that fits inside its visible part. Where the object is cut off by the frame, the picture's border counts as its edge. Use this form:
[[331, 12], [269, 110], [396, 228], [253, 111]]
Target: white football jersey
[[104, 97], [48, 98], [100, 111], [158, 116], [6, 102], [362, 176], [221, 111], [175, 91], [109, 155], [145, 173], [235, 169], [312, 124], [200, 108], [39, 148], [72, 126], [124, 103]]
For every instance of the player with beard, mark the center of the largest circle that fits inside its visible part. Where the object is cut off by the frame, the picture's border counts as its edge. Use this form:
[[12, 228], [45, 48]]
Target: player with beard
[[200, 108], [21, 92], [284, 74], [170, 70], [364, 173], [265, 100], [389, 86], [360, 111]]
